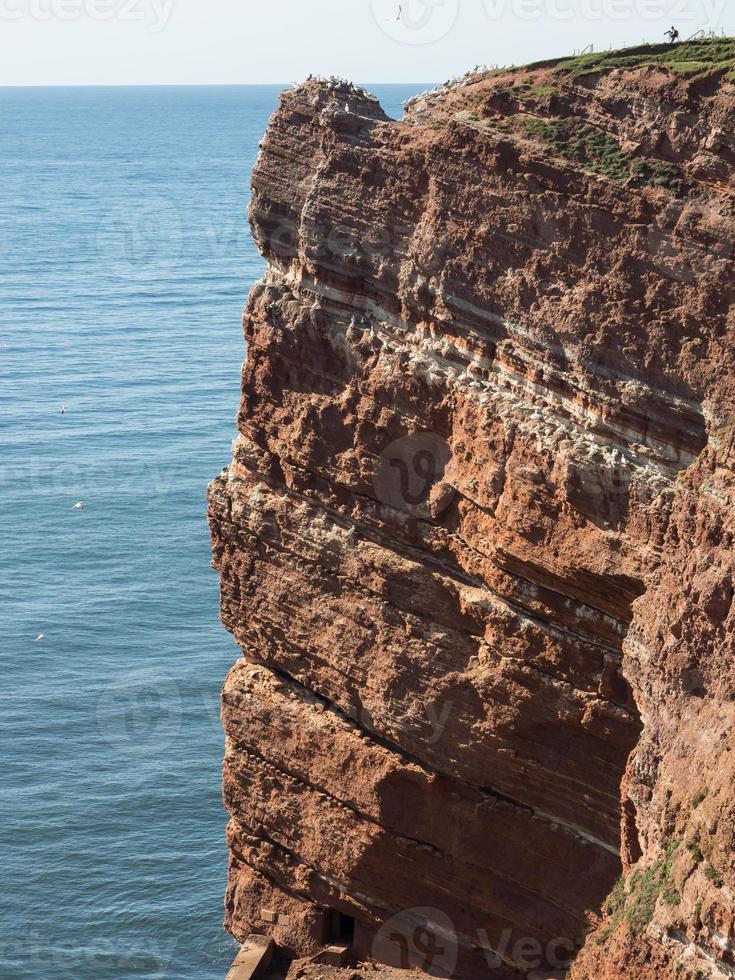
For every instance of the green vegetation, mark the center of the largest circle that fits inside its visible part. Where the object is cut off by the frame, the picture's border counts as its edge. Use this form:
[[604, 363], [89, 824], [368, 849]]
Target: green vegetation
[[599, 153], [690, 59], [672, 896], [602, 937], [614, 906], [537, 92], [616, 899], [551, 131], [635, 904], [645, 890], [713, 876], [590, 147], [695, 851], [659, 173]]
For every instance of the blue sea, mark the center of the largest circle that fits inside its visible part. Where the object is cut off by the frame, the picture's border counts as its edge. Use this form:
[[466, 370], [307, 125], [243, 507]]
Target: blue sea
[[125, 261]]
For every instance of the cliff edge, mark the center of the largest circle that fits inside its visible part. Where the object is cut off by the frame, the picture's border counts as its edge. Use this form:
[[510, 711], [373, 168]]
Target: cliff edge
[[475, 542]]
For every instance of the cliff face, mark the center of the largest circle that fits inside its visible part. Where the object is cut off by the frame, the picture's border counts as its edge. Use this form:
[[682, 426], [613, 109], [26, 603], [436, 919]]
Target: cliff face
[[476, 538]]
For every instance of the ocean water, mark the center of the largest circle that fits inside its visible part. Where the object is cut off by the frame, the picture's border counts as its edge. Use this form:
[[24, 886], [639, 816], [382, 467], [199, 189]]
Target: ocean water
[[125, 260]]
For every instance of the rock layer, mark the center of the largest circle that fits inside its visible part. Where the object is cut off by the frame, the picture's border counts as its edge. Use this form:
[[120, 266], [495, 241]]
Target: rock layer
[[474, 541]]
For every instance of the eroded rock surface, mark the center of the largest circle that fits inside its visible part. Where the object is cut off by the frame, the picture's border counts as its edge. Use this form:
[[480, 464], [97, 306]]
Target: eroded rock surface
[[475, 541]]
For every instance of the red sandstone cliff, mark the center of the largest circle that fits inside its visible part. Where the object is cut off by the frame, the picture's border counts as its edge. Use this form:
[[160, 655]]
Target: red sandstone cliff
[[476, 538]]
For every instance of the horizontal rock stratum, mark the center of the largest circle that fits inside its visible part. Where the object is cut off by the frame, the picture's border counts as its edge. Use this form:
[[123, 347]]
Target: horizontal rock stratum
[[476, 539]]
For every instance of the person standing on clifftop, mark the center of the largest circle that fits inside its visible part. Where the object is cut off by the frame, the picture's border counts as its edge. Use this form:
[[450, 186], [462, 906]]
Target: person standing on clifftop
[[673, 35]]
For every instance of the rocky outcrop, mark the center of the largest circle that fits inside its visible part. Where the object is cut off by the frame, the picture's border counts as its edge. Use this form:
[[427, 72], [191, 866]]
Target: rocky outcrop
[[475, 539]]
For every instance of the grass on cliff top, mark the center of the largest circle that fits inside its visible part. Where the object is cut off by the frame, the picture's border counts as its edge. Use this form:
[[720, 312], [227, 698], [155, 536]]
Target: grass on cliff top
[[690, 59]]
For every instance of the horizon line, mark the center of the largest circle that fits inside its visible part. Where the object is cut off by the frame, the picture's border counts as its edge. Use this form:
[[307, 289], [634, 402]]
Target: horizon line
[[183, 84]]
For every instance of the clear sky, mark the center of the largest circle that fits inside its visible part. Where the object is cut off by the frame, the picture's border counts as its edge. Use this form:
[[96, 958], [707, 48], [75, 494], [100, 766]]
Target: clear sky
[[58, 42]]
